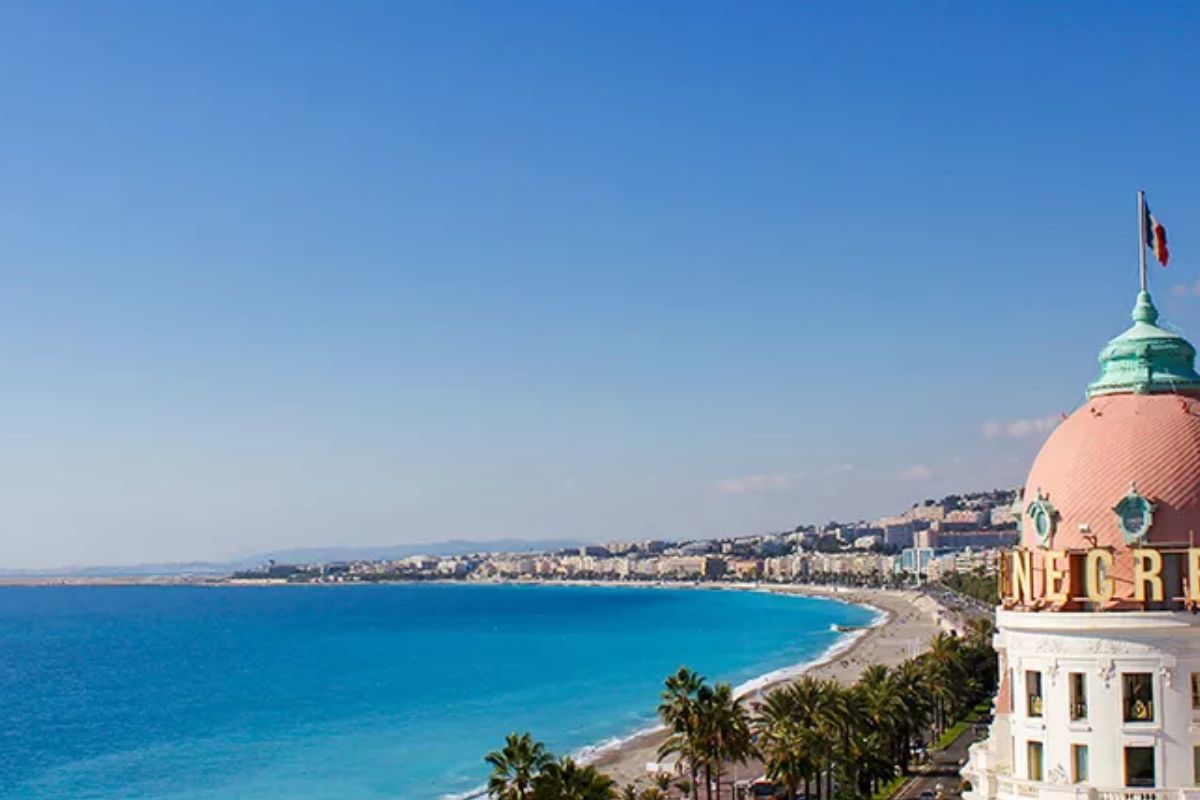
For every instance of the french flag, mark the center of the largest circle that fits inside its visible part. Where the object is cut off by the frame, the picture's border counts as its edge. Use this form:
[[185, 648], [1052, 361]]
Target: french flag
[[1156, 236]]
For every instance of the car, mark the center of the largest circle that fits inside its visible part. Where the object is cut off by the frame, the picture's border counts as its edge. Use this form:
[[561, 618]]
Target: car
[[928, 795], [763, 789]]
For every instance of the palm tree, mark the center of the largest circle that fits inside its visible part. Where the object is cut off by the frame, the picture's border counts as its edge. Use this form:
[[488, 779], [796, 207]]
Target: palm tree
[[817, 710], [887, 712], [723, 730], [678, 710], [782, 741], [566, 780], [980, 656], [867, 728], [679, 694], [823, 704], [980, 631], [947, 677], [515, 766], [909, 681]]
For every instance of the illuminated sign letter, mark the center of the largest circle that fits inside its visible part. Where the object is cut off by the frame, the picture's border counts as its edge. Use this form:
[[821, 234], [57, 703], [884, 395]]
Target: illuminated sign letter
[[1022, 576], [1099, 585], [1056, 585], [1147, 564]]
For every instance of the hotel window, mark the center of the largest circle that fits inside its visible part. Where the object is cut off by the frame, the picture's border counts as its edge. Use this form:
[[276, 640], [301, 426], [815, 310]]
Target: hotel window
[[1196, 765], [1196, 690], [1035, 761], [1079, 763], [1137, 695], [1033, 693], [1079, 709], [1139, 766]]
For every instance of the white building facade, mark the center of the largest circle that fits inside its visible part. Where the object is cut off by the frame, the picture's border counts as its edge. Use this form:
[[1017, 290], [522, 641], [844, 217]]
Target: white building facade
[[1096, 706]]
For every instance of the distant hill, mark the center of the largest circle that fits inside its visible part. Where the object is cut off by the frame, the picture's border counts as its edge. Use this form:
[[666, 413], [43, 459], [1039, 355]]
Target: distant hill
[[299, 555]]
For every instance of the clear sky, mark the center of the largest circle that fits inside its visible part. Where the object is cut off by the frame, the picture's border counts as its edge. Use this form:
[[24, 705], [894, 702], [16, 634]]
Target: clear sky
[[365, 273]]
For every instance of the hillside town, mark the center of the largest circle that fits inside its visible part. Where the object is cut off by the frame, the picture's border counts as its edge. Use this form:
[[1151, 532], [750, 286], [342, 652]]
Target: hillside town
[[934, 538]]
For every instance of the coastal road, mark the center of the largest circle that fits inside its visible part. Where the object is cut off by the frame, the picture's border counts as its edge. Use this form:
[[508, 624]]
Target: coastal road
[[943, 770]]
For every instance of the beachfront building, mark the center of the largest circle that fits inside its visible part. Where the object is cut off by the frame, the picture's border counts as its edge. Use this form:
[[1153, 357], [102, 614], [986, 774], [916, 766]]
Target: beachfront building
[[917, 559], [1098, 636]]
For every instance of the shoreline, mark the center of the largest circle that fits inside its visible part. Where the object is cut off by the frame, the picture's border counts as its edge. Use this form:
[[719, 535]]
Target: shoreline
[[844, 645], [618, 757], [905, 621], [902, 628]]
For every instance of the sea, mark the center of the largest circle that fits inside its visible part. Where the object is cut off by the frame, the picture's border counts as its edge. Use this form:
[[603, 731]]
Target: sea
[[355, 692]]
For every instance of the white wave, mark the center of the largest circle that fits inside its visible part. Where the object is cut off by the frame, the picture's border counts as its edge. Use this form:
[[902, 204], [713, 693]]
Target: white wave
[[840, 646], [480, 791], [591, 752]]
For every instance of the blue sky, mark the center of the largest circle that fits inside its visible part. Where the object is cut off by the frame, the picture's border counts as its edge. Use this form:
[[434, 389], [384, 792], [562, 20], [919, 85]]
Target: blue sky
[[311, 273]]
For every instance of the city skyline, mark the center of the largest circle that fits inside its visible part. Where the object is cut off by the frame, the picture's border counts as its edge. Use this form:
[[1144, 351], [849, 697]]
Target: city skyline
[[286, 276]]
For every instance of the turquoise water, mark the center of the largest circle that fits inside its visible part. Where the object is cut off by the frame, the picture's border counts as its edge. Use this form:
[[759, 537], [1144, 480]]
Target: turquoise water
[[351, 692]]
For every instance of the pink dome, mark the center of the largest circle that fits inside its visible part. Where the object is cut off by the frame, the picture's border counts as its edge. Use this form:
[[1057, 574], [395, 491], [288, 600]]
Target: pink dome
[[1090, 462], [1112, 442]]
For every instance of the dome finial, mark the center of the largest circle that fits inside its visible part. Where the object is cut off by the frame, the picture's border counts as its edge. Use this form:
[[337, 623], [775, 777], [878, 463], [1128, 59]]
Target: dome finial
[[1144, 310], [1146, 358]]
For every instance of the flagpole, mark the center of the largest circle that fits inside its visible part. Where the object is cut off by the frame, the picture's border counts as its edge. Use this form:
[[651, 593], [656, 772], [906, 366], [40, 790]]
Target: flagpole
[[1142, 234]]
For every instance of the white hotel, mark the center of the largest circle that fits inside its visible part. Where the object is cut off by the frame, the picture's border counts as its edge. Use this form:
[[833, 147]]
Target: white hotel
[[1098, 635]]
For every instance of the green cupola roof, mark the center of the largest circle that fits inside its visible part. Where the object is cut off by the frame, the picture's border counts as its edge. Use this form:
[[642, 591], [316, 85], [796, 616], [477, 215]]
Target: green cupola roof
[[1146, 358]]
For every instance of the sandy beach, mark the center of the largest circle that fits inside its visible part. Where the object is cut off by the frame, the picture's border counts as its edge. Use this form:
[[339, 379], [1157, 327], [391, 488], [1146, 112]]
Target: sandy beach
[[911, 620]]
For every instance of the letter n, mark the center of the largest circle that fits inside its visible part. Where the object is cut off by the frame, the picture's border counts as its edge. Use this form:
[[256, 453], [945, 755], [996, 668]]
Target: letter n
[[1022, 576]]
